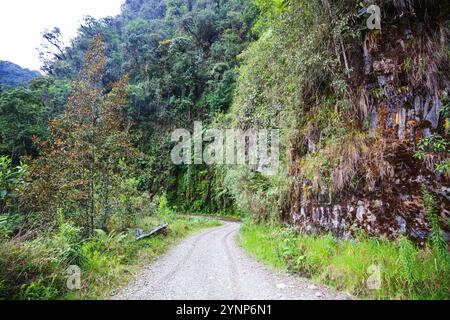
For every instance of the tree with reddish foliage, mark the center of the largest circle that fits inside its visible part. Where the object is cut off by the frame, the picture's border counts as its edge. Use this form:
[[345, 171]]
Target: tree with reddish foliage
[[85, 156]]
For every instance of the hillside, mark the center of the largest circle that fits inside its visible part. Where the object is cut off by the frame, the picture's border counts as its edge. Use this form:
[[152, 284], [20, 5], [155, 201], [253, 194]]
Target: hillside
[[12, 75]]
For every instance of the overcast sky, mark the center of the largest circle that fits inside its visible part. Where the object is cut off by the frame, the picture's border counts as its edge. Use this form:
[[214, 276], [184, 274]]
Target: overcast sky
[[22, 21]]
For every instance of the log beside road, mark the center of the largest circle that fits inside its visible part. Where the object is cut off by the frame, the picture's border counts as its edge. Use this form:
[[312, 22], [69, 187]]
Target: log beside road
[[154, 231]]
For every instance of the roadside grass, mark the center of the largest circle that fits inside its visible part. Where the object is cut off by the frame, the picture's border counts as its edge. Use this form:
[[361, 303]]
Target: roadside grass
[[37, 269], [406, 272]]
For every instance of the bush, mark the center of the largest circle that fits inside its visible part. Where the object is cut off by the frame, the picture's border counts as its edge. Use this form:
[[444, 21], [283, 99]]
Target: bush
[[163, 207], [8, 224], [36, 269], [12, 181], [41, 290]]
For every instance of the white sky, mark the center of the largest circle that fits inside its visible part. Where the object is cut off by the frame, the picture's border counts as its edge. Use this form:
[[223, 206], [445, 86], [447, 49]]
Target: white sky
[[22, 21]]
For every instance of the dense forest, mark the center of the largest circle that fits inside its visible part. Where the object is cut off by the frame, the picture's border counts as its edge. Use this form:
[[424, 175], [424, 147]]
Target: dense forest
[[364, 128], [12, 75]]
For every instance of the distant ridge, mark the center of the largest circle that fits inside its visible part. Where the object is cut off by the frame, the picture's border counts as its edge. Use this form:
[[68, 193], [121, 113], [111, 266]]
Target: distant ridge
[[13, 75]]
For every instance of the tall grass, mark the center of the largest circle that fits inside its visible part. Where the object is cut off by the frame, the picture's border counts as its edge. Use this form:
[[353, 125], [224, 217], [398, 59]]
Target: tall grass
[[37, 269], [407, 272]]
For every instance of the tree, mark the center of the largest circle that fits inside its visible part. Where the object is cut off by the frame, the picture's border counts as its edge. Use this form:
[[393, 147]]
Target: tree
[[176, 8], [12, 181], [21, 118], [54, 38], [180, 56], [202, 27], [87, 150], [52, 50]]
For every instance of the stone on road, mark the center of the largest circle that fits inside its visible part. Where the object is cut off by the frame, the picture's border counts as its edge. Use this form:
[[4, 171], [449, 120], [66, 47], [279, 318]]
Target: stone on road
[[211, 266]]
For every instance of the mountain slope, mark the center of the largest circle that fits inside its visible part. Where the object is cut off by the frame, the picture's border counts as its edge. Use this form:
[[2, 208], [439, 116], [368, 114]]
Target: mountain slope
[[13, 75]]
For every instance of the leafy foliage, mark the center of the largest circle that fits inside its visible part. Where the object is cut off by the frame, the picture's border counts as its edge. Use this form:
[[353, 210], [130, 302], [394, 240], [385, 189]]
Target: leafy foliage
[[86, 154], [434, 151], [21, 118], [12, 182]]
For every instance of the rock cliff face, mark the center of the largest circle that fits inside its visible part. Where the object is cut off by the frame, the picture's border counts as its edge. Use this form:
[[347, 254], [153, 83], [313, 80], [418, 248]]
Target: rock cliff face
[[399, 76]]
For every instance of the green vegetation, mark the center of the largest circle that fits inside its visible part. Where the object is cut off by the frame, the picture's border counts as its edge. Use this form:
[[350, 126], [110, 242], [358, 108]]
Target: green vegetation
[[181, 59], [438, 243], [85, 148], [12, 75], [12, 182], [406, 271], [434, 151], [37, 269], [21, 118], [341, 144]]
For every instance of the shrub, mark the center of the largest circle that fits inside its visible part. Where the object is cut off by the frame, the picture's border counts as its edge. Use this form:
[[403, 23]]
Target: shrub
[[41, 290], [12, 181], [163, 207]]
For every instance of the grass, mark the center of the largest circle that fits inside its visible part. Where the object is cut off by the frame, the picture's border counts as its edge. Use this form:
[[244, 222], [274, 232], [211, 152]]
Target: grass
[[406, 272], [37, 269]]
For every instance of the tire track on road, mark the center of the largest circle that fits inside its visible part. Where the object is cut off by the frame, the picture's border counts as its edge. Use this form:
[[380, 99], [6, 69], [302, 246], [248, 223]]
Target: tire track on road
[[167, 277], [234, 272]]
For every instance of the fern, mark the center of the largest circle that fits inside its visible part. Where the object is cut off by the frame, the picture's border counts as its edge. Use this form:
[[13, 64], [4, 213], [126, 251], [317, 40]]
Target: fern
[[409, 261], [438, 242]]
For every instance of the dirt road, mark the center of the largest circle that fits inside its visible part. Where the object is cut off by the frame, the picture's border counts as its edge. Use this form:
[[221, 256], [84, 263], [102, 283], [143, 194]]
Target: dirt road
[[211, 266]]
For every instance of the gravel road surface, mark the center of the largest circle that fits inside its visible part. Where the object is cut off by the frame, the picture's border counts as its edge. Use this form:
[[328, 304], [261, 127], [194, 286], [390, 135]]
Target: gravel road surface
[[211, 266]]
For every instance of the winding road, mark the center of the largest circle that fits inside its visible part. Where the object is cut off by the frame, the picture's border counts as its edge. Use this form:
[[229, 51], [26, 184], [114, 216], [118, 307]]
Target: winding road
[[211, 266]]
